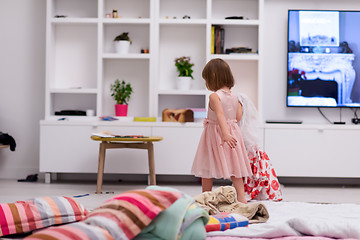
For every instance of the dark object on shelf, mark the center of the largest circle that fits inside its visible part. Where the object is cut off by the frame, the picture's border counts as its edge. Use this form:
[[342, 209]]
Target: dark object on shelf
[[60, 16], [235, 17], [186, 17], [6, 139], [284, 121], [71, 113], [115, 13], [344, 48], [238, 50], [219, 40], [145, 50], [30, 178]]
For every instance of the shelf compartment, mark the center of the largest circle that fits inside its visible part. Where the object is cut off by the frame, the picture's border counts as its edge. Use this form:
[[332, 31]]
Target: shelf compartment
[[235, 22], [237, 56], [138, 33], [72, 101], [221, 9], [126, 56], [241, 36], [246, 78], [134, 71], [195, 9], [74, 20], [73, 57], [126, 20], [177, 42], [180, 101], [75, 8], [182, 21], [128, 9], [183, 92], [73, 90]]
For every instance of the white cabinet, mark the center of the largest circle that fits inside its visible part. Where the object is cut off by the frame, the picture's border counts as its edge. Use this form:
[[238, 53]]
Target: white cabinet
[[313, 150], [175, 154], [66, 147]]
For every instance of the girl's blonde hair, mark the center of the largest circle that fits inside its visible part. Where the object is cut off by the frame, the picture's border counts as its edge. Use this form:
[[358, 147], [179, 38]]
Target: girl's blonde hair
[[217, 74]]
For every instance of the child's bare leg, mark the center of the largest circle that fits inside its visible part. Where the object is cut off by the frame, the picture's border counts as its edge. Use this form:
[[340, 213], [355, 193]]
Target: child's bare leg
[[207, 184], [239, 187]]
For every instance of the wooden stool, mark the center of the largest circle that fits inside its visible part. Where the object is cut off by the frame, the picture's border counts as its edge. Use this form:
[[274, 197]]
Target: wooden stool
[[119, 142]]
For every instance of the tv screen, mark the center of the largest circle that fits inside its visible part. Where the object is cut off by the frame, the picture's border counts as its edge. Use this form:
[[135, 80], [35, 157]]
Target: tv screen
[[322, 58]]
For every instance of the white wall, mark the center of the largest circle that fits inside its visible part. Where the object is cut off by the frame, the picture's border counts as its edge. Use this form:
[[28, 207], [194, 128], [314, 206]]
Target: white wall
[[275, 65], [22, 83]]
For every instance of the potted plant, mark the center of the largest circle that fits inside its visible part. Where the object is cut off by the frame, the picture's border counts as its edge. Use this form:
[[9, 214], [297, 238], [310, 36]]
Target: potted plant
[[121, 92], [122, 43], [184, 68]]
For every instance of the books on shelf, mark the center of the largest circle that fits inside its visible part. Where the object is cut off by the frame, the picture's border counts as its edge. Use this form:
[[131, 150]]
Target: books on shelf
[[212, 40], [219, 39], [144, 119]]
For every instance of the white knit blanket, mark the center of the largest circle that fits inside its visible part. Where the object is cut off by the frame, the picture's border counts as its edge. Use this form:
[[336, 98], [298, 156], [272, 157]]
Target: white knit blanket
[[300, 218]]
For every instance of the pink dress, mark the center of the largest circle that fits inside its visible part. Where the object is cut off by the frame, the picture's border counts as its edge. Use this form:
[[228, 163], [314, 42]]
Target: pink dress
[[214, 158]]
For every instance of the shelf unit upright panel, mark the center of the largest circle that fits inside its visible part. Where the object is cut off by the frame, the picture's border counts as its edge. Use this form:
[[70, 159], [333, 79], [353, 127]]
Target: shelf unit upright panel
[[239, 33], [179, 37], [71, 82], [134, 67]]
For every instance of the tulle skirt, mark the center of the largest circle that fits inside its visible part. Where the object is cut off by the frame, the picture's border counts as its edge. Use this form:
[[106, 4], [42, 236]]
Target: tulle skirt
[[215, 159]]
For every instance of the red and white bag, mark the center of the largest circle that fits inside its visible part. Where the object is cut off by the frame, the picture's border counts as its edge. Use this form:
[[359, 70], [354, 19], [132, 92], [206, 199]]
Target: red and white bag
[[263, 184]]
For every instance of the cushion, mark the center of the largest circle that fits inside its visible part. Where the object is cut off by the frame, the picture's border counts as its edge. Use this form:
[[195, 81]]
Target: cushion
[[121, 217], [223, 221], [26, 216]]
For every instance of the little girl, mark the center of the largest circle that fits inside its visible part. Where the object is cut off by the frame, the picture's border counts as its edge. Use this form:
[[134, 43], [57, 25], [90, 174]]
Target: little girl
[[221, 152]]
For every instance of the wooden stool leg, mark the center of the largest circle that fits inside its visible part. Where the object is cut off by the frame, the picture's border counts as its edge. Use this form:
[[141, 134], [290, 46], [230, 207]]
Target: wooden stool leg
[[151, 164], [101, 164]]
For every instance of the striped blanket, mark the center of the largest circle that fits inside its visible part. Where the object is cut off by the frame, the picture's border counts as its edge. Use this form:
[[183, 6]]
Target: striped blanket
[[121, 217], [25, 216]]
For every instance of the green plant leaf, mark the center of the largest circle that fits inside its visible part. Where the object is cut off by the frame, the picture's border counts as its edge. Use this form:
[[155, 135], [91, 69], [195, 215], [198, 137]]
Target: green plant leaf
[[184, 67], [121, 91]]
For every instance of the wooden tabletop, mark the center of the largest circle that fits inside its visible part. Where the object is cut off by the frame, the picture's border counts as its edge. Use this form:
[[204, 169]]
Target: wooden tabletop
[[4, 146], [127, 139]]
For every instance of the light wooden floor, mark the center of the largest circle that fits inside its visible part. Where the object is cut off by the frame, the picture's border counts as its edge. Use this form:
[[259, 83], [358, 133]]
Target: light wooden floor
[[11, 191]]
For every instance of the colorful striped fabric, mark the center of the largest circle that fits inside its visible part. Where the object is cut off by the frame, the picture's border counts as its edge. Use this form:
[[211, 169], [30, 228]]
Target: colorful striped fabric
[[223, 221], [26, 216], [121, 217]]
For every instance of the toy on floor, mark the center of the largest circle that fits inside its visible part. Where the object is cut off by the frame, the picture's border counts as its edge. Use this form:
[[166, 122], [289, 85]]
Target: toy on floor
[[223, 221]]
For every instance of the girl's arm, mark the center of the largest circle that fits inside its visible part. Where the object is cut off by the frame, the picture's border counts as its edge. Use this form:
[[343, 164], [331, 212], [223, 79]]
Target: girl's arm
[[215, 105], [239, 112]]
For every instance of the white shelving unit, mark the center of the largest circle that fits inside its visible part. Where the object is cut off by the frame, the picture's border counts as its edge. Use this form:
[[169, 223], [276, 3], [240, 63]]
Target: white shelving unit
[[82, 63]]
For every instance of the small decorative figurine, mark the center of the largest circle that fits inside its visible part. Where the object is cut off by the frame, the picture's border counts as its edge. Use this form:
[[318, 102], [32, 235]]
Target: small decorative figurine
[[115, 13]]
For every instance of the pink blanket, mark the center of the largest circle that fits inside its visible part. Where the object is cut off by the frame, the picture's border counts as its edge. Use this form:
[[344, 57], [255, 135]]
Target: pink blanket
[[281, 238]]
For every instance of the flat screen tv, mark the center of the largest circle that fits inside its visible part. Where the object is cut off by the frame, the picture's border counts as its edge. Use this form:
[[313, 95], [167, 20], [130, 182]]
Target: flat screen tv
[[323, 69]]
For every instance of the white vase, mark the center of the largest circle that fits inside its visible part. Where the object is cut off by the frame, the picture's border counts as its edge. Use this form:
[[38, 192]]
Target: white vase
[[183, 83], [122, 46]]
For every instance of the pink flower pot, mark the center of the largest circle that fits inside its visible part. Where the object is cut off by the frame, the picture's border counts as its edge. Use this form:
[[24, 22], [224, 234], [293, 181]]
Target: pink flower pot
[[121, 110]]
